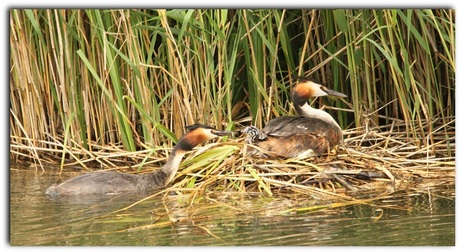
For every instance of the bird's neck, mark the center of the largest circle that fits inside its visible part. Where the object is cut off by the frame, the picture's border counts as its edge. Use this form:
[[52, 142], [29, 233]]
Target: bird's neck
[[165, 175], [171, 166], [307, 111]]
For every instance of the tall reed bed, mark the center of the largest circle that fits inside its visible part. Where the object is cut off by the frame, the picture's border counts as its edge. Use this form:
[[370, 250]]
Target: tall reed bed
[[84, 79]]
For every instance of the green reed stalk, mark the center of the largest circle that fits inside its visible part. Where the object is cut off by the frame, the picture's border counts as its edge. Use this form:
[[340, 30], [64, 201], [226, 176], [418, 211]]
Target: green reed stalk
[[135, 78]]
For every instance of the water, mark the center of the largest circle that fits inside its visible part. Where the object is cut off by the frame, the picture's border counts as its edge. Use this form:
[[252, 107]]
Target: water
[[423, 220]]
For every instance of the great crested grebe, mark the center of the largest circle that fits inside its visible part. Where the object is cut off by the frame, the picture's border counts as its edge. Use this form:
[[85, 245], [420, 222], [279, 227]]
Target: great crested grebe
[[111, 182], [311, 133]]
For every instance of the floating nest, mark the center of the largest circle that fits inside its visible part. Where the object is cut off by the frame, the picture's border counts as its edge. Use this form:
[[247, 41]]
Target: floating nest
[[371, 164]]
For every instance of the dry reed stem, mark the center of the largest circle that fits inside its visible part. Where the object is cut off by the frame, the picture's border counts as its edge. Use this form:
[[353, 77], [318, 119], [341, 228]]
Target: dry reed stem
[[371, 162]]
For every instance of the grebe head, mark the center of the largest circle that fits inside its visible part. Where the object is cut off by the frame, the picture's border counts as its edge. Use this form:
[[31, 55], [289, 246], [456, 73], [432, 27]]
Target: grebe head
[[304, 90], [198, 133], [306, 87]]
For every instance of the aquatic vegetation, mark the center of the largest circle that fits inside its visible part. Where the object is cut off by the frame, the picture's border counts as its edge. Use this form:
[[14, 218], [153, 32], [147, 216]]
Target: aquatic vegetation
[[106, 88]]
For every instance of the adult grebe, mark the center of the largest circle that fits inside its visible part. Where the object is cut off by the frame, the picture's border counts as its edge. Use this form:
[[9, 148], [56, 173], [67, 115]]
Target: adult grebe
[[311, 133], [111, 182]]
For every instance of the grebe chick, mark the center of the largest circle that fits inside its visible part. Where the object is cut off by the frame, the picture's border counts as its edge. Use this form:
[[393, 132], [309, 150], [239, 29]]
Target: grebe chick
[[111, 182], [311, 133]]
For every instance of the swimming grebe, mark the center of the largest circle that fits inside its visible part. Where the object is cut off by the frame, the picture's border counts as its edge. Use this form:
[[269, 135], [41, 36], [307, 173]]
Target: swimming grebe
[[111, 182], [311, 133]]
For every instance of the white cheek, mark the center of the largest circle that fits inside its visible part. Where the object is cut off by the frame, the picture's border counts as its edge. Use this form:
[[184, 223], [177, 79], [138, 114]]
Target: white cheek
[[208, 134], [318, 91]]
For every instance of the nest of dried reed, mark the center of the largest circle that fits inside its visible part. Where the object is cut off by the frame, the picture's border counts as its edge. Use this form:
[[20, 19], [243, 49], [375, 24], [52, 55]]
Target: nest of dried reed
[[372, 163]]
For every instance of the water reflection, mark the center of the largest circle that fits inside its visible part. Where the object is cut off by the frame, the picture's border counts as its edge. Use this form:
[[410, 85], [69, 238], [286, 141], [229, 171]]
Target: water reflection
[[38, 220]]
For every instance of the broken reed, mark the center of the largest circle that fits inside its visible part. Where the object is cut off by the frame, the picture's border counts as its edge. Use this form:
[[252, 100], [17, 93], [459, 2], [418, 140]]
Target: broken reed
[[132, 79]]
